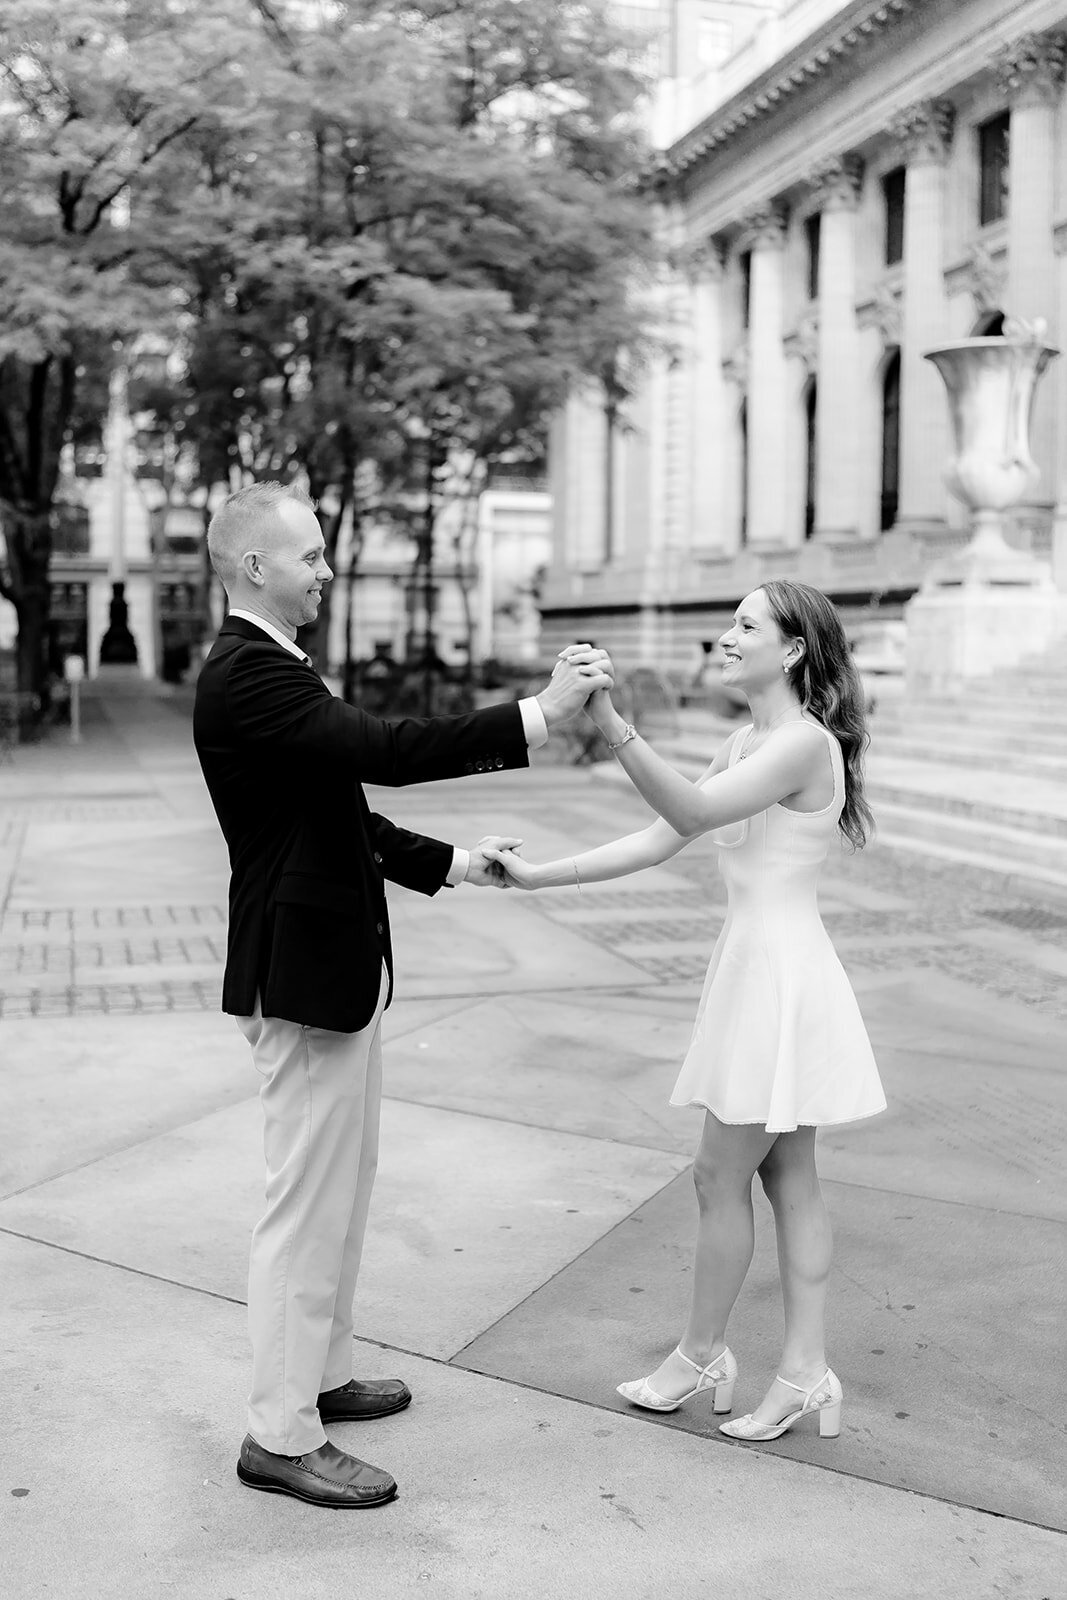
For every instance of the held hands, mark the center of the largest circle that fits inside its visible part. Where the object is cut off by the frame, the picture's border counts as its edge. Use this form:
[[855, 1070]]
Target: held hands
[[598, 707], [516, 873], [486, 868], [579, 672]]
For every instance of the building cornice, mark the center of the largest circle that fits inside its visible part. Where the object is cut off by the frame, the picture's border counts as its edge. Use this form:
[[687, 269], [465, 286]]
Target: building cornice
[[822, 54]]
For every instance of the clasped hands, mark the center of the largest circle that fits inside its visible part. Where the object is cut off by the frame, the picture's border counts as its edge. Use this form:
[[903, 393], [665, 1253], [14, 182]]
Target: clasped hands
[[582, 678]]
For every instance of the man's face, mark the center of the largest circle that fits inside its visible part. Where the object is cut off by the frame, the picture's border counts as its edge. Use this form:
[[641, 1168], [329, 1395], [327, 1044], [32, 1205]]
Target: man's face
[[292, 565]]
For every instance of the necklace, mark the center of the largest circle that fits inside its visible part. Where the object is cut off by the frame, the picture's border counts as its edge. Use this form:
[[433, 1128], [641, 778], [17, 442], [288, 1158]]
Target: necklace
[[782, 717]]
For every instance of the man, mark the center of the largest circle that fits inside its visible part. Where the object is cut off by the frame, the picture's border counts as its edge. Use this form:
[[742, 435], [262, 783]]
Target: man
[[308, 966]]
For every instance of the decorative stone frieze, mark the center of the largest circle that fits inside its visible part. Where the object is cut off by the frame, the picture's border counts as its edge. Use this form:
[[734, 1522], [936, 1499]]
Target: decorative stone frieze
[[924, 130], [764, 229], [1030, 70], [832, 57], [836, 183]]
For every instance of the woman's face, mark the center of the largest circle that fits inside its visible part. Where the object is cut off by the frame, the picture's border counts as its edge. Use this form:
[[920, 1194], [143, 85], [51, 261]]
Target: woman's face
[[754, 652]]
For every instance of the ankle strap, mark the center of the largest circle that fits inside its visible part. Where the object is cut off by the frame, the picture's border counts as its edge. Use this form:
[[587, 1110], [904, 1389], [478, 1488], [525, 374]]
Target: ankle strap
[[691, 1363], [797, 1386]]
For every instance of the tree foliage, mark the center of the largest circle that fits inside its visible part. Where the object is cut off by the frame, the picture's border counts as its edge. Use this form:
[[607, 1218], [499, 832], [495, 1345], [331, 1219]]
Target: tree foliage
[[376, 237]]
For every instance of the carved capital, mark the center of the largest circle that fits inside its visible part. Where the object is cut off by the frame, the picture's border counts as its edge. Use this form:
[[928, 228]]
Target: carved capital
[[836, 183], [764, 229], [735, 367], [803, 343], [705, 261], [882, 311], [1030, 69], [985, 278], [924, 130]]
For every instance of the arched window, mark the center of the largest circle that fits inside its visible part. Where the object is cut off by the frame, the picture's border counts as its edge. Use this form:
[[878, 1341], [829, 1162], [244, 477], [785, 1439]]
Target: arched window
[[809, 470], [890, 440]]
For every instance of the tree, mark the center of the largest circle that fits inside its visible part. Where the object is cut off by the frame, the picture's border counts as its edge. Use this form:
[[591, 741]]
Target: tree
[[380, 240], [91, 98], [407, 261]]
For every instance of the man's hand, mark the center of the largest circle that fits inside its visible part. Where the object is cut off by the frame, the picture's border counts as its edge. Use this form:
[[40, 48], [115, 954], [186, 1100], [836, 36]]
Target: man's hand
[[484, 869], [519, 874], [580, 671]]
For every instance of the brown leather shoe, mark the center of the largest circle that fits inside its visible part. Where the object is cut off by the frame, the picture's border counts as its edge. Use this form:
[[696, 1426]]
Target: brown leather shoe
[[322, 1477], [360, 1400]]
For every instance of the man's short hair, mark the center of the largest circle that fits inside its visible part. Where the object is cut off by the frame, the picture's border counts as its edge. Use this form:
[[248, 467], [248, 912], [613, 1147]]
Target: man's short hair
[[242, 520]]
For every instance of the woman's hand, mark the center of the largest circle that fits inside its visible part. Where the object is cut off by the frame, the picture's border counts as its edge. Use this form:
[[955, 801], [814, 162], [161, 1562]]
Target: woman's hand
[[518, 874], [600, 709]]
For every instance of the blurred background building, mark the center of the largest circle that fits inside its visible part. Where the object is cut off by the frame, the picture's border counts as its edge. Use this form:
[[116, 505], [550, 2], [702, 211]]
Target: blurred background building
[[845, 186]]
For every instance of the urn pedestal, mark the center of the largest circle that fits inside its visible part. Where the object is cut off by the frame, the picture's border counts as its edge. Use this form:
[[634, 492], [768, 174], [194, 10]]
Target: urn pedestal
[[983, 608]]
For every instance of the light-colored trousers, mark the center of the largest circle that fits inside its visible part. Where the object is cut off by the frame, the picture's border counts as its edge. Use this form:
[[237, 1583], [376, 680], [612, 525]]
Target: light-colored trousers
[[321, 1097]]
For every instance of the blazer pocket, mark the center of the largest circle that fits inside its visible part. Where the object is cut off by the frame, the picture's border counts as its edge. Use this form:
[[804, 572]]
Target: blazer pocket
[[301, 889]]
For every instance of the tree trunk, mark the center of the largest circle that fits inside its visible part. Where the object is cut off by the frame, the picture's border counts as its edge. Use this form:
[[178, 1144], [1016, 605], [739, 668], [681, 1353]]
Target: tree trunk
[[30, 535], [315, 639]]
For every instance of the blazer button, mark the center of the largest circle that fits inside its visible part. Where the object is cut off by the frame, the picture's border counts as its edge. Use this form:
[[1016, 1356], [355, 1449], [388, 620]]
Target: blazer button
[[377, 858], [468, 767], [500, 761], [381, 927]]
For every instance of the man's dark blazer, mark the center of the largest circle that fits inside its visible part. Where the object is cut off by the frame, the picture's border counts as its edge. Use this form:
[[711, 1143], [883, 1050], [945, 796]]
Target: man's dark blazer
[[285, 763]]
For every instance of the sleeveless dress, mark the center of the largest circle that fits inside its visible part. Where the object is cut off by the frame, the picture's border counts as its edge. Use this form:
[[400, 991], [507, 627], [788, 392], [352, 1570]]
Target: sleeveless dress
[[778, 1037]]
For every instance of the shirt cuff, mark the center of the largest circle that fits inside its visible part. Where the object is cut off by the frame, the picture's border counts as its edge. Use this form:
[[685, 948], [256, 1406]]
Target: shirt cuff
[[534, 725], [461, 860]]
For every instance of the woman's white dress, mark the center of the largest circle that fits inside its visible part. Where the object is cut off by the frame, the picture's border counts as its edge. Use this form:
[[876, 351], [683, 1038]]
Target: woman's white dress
[[778, 1037]]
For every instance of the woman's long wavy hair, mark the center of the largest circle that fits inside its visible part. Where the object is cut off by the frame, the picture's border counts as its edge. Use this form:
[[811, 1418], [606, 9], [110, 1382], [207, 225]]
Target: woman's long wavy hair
[[827, 684]]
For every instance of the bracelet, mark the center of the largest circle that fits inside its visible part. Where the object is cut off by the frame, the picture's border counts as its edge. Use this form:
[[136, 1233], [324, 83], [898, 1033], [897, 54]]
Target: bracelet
[[628, 733], [577, 880]]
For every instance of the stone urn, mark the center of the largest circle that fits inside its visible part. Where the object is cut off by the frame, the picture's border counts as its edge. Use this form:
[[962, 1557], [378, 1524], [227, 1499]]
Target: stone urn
[[991, 385], [985, 608]]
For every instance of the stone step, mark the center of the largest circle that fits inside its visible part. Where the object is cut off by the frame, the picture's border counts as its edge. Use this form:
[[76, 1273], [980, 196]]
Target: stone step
[[1050, 762], [1043, 704], [942, 802], [975, 841], [987, 743], [964, 812], [1020, 717]]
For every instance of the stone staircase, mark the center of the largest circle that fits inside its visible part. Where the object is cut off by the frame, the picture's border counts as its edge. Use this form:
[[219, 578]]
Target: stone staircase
[[980, 776]]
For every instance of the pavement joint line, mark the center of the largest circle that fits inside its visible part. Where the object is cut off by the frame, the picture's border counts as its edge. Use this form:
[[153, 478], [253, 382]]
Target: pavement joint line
[[539, 1127], [940, 1200], [649, 1419], [406, 1032], [980, 1375], [451, 1362], [593, 1245]]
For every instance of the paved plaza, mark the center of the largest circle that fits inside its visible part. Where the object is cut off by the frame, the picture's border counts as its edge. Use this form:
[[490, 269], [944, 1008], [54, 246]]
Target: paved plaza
[[531, 1228]]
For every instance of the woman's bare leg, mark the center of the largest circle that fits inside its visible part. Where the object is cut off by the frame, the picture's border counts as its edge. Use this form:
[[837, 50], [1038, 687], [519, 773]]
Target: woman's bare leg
[[723, 1168], [802, 1226]]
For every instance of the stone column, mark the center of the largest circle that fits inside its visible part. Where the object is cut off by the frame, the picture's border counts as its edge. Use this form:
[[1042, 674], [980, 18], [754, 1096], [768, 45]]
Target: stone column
[[1030, 73], [708, 403], [768, 478], [925, 131], [838, 463]]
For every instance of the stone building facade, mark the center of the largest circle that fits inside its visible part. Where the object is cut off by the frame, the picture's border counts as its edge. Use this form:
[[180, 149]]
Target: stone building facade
[[893, 179]]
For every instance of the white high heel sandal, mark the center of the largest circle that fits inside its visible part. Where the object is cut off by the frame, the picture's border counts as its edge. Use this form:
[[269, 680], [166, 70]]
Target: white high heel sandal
[[719, 1375], [823, 1397]]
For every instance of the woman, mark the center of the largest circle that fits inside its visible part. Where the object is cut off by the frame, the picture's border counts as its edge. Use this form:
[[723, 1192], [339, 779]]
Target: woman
[[778, 1047]]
